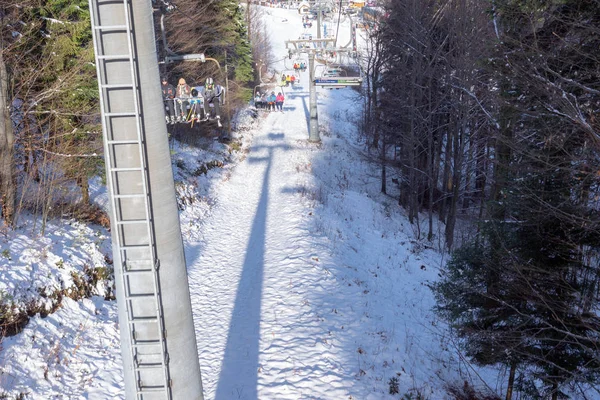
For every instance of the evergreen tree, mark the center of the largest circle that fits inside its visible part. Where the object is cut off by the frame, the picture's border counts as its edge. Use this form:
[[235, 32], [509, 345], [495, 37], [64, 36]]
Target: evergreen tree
[[526, 292], [49, 59]]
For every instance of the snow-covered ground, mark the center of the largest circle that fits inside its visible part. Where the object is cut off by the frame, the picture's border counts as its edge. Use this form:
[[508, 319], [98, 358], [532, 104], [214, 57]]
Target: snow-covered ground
[[306, 282]]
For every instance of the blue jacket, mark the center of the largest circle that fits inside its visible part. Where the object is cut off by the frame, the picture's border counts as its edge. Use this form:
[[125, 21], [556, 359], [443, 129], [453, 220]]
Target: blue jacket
[[272, 98]]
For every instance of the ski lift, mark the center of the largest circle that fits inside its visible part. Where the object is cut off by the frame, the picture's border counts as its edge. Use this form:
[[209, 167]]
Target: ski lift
[[306, 23], [333, 72], [260, 95], [191, 107], [307, 37], [300, 62], [338, 82], [289, 73], [293, 71], [337, 77]]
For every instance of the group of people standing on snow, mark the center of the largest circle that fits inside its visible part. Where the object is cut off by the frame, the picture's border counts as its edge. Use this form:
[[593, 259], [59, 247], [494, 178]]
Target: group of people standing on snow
[[269, 102], [184, 103]]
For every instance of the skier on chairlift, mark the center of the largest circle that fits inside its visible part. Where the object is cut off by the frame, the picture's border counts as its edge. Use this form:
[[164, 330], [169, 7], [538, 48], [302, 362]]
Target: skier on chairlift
[[271, 101], [212, 95], [183, 94], [195, 106], [168, 92]]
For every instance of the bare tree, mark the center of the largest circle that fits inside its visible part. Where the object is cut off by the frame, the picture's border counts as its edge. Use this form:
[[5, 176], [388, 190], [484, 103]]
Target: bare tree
[[8, 190], [432, 51]]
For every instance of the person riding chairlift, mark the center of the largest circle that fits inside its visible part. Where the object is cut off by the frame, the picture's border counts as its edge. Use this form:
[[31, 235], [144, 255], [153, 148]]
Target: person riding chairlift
[[211, 95], [168, 92], [279, 101], [271, 101], [257, 100], [195, 105], [183, 93]]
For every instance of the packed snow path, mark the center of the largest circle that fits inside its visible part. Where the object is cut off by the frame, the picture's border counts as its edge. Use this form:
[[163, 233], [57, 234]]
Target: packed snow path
[[257, 335]]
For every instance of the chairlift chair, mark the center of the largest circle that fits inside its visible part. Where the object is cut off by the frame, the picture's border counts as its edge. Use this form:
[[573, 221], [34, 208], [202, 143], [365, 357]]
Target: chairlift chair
[[267, 89], [291, 72], [336, 76], [171, 57]]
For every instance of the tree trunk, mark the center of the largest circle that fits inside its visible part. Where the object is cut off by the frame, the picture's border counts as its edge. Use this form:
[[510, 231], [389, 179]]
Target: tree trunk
[[511, 381], [431, 183], [383, 178], [503, 155], [457, 157], [7, 169], [466, 200], [83, 183], [446, 178], [383, 166]]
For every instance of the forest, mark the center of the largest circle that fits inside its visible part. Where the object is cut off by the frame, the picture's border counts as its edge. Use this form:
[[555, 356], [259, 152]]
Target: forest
[[484, 113], [50, 131]]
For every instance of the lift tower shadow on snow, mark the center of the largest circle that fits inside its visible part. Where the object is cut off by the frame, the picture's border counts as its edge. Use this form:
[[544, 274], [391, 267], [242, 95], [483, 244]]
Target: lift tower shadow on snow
[[158, 342], [239, 370]]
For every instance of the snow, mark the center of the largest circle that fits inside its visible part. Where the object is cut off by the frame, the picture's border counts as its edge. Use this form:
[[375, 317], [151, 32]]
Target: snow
[[306, 282], [71, 354]]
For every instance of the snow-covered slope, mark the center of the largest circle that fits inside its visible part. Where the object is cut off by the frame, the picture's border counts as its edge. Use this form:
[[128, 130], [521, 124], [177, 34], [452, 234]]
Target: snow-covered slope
[[306, 282]]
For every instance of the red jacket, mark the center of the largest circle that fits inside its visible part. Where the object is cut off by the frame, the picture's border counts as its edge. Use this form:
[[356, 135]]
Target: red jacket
[[280, 98]]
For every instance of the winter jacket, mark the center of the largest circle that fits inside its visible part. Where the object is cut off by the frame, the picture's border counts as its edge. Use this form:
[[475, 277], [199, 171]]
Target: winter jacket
[[272, 98], [211, 94], [168, 91], [184, 91], [279, 98]]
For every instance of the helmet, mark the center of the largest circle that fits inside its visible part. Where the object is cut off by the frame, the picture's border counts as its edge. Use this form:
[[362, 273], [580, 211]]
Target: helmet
[[163, 79], [181, 81], [209, 82]]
